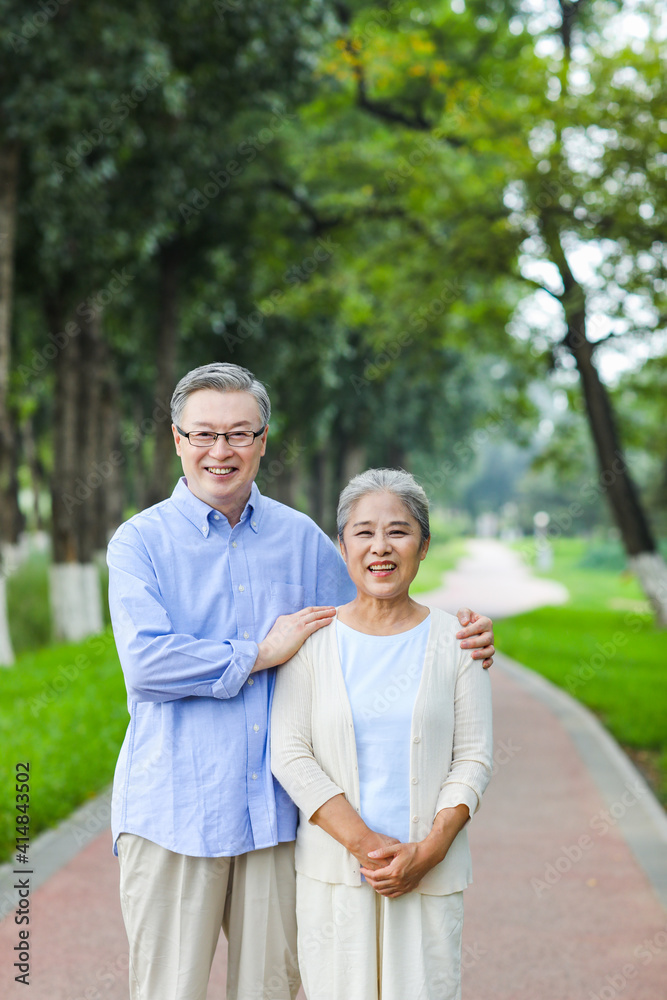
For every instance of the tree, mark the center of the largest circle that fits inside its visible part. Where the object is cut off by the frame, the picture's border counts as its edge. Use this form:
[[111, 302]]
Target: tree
[[495, 156]]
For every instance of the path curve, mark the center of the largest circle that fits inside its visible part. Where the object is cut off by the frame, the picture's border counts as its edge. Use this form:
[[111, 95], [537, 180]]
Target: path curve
[[493, 579]]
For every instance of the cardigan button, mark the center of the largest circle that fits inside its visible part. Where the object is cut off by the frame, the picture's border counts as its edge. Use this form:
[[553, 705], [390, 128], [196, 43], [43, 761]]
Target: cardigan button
[[415, 781], [417, 739], [415, 819]]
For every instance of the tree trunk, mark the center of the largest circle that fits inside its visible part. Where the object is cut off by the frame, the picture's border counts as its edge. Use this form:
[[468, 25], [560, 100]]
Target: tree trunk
[[110, 498], [10, 516], [161, 480], [74, 579], [35, 469], [614, 478]]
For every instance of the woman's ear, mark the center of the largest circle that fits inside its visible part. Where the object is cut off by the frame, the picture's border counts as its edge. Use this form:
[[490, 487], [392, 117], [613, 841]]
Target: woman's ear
[[425, 545], [342, 548]]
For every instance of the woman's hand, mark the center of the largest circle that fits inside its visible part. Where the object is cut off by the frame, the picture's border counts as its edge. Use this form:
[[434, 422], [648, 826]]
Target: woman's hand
[[375, 843], [408, 865]]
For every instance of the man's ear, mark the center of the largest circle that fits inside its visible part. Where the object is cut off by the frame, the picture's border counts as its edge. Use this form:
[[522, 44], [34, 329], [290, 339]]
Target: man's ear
[[263, 440], [177, 439]]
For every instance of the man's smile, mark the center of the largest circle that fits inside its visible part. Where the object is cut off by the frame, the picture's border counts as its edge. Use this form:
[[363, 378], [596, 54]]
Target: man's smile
[[218, 471]]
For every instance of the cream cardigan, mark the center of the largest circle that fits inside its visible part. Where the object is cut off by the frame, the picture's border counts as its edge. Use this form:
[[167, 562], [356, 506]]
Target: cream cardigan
[[314, 757]]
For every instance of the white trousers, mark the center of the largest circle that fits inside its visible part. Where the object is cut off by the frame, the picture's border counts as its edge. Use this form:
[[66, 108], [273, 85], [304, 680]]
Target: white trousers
[[174, 906], [357, 945]]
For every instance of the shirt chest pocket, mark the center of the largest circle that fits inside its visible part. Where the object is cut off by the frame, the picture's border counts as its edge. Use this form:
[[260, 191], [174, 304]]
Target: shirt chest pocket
[[286, 598]]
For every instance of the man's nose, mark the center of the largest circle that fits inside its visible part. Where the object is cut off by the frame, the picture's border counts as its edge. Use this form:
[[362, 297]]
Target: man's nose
[[221, 448]]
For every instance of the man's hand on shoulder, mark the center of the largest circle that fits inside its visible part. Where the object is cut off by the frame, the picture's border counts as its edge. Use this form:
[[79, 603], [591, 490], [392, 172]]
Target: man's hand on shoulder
[[289, 634], [477, 634]]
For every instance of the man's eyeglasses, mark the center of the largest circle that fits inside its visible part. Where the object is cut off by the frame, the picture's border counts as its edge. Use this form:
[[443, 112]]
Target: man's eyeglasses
[[235, 439]]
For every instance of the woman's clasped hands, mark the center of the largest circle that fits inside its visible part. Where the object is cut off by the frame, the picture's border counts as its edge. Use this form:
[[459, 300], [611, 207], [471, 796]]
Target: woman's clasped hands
[[404, 866]]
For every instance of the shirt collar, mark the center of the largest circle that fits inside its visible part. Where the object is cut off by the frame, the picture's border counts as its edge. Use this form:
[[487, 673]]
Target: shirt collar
[[199, 512]]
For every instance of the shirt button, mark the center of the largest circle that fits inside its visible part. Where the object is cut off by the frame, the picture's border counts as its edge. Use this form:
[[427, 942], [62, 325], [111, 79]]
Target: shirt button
[[251, 681], [216, 517], [256, 728], [233, 545], [254, 776], [254, 524], [415, 781], [245, 635], [241, 587], [417, 739], [415, 819]]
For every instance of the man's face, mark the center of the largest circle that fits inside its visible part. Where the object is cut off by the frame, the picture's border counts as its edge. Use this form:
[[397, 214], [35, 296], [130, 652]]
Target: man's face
[[221, 476]]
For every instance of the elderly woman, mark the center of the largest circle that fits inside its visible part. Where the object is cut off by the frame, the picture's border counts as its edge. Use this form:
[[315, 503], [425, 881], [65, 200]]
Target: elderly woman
[[381, 734]]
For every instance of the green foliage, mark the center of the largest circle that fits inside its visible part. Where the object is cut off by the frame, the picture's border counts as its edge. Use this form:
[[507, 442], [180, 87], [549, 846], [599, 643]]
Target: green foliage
[[28, 605], [64, 710]]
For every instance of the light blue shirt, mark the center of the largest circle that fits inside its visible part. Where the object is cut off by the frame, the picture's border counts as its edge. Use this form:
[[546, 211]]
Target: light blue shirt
[[382, 675], [190, 600]]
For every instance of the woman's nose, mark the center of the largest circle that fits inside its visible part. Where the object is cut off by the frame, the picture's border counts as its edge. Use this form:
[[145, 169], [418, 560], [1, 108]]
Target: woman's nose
[[381, 544]]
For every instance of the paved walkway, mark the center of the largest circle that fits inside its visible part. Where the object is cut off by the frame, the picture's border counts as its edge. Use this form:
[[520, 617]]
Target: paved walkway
[[569, 853], [493, 578]]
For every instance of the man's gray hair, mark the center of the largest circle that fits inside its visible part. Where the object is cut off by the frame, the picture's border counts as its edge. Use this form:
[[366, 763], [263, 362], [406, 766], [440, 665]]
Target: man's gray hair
[[396, 481], [224, 377]]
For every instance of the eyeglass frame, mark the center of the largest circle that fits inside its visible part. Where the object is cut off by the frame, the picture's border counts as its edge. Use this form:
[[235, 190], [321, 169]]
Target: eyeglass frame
[[225, 434]]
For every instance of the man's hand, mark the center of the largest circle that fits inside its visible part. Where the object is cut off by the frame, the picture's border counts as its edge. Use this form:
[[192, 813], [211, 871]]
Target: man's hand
[[477, 634], [408, 865], [289, 634]]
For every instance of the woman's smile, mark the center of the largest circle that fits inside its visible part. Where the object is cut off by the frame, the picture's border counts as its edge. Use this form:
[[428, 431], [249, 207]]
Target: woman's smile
[[382, 568]]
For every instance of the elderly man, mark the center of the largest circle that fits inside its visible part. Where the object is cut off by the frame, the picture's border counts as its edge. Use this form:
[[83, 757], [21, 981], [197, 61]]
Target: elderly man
[[208, 590]]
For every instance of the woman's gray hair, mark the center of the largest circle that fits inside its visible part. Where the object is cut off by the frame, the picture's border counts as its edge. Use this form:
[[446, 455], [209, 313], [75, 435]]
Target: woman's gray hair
[[224, 377], [396, 481]]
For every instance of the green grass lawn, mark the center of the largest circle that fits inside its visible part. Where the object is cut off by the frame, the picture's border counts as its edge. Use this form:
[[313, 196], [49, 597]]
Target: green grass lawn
[[64, 710], [603, 648]]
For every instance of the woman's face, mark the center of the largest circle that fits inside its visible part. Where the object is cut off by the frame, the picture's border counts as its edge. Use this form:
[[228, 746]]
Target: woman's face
[[382, 546]]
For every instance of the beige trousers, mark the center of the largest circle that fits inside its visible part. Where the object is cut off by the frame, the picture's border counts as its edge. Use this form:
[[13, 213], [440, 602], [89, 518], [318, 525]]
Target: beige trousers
[[357, 945], [174, 906]]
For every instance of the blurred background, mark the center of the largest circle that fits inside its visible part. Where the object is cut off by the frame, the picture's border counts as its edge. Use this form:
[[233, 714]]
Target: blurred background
[[435, 230]]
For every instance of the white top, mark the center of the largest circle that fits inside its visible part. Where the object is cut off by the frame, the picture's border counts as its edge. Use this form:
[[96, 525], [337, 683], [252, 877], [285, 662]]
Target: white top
[[314, 756], [382, 675]]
